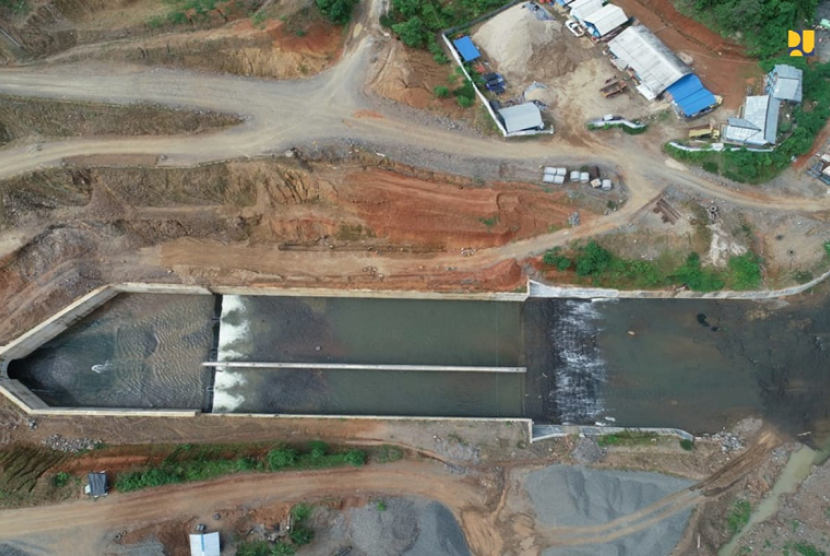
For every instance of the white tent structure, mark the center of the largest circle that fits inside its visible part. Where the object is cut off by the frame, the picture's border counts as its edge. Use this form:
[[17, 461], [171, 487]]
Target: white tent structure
[[655, 65], [522, 117], [204, 544]]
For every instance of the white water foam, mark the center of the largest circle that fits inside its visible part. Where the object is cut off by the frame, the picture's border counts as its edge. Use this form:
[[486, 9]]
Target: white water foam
[[224, 401], [230, 335], [582, 371]]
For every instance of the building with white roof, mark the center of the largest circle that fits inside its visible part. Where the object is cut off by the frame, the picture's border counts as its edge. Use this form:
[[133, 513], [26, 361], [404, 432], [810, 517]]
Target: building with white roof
[[605, 20], [204, 544], [785, 83], [580, 9], [758, 124], [654, 64]]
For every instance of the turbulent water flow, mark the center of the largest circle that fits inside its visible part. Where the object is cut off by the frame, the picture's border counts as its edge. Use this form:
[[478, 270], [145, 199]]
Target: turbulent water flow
[[138, 350], [580, 372]]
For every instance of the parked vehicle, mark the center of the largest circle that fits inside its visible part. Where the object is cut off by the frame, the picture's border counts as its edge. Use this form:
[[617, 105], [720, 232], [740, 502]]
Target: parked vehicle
[[575, 28]]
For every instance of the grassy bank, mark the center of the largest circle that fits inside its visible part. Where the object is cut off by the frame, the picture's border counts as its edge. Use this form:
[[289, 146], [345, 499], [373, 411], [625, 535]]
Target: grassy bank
[[595, 265], [189, 462]]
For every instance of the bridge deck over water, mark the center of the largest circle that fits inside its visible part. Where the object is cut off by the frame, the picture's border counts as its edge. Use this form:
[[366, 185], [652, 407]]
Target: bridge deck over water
[[361, 367]]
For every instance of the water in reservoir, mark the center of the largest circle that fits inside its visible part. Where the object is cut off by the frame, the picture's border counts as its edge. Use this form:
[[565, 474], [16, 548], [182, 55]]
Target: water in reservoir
[[693, 364], [369, 331], [138, 350]]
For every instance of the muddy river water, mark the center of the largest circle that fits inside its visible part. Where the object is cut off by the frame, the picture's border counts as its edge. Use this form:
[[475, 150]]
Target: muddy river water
[[692, 364]]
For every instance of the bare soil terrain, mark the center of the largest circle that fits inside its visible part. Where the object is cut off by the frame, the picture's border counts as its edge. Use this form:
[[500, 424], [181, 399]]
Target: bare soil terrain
[[33, 119]]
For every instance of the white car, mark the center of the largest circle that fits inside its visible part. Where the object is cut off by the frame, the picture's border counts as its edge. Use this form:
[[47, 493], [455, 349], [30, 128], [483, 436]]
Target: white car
[[575, 28]]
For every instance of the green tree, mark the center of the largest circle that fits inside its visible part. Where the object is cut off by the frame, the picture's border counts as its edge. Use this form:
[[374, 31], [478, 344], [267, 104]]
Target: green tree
[[356, 458], [301, 512], [407, 8], [301, 535], [283, 549], [412, 32], [279, 458], [441, 92], [465, 102], [318, 449], [337, 11], [592, 260]]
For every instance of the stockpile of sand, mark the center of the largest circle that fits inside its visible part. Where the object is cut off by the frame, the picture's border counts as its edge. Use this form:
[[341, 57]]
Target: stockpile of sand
[[526, 48]]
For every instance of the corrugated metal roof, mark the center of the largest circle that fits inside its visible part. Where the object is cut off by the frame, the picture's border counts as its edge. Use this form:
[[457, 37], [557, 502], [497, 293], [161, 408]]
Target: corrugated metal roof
[[97, 484], [204, 545], [581, 9], [759, 126], [467, 49], [606, 19], [786, 83], [521, 117], [656, 66], [690, 95]]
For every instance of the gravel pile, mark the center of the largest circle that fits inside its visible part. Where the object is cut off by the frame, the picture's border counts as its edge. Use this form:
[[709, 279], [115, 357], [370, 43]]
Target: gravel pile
[[61, 444], [405, 527], [577, 496]]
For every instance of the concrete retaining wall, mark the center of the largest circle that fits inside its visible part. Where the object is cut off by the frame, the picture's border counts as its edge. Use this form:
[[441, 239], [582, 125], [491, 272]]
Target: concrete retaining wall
[[541, 432], [537, 289], [52, 327]]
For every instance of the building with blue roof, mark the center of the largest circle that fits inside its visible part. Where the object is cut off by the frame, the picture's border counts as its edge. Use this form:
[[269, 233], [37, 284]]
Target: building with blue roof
[[690, 97], [466, 49]]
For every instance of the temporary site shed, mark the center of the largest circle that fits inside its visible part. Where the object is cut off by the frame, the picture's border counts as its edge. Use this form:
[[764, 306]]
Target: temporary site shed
[[784, 83], [758, 126], [580, 9], [466, 49], [522, 117], [605, 20], [655, 65], [204, 544], [97, 484], [690, 97]]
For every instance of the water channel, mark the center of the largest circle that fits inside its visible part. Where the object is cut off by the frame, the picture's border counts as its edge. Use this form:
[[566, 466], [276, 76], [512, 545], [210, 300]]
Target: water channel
[[692, 364]]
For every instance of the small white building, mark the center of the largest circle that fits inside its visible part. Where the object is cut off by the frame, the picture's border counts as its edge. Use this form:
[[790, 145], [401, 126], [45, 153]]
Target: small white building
[[522, 117], [758, 124], [204, 544]]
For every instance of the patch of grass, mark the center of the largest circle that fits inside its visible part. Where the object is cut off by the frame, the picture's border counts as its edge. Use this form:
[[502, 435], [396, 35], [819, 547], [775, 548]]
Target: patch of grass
[[388, 454], [187, 464], [744, 271], [626, 438], [687, 444], [381, 505], [805, 549], [738, 516], [490, 222]]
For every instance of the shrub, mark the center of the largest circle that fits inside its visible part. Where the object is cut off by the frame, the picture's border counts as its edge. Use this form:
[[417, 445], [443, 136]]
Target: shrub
[[464, 102], [355, 458], [337, 11], [318, 449], [711, 166], [301, 512], [745, 271], [441, 92], [61, 479], [687, 444], [283, 549], [388, 454], [301, 535], [278, 458], [255, 548], [592, 260]]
